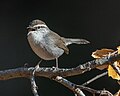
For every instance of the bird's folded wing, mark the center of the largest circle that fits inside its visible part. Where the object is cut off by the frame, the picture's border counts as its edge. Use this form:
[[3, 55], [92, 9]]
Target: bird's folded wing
[[59, 41]]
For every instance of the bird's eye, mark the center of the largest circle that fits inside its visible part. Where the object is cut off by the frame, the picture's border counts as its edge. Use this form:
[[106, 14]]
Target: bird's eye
[[32, 29], [38, 27]]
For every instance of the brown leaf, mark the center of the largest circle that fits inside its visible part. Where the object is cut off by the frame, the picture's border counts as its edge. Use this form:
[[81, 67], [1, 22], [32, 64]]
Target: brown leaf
[[102, 53], [102, 67], [105, 52]]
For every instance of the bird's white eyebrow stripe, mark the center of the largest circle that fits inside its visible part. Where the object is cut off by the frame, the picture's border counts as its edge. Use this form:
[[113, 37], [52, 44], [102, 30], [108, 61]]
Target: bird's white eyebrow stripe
[[41, 25]]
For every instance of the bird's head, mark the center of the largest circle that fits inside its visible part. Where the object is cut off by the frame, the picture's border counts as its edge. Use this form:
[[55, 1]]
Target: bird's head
[[36, 25]]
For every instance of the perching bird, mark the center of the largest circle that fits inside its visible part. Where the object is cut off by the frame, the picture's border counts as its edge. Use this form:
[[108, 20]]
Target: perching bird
[[47, 44]]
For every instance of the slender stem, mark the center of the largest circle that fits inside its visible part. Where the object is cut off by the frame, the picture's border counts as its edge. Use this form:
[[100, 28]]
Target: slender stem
[[33, 86], [95, 78]]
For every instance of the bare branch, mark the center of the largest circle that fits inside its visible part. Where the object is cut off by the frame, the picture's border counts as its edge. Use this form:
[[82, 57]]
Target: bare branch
[[93, 91], [51, 72], [32, 80], [69, 85], [59, 74], [95, 78], [116, 68], [77, 88], [33, 86]]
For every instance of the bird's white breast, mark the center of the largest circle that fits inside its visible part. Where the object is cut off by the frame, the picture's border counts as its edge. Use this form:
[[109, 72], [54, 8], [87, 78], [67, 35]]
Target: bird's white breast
[[43, 46]]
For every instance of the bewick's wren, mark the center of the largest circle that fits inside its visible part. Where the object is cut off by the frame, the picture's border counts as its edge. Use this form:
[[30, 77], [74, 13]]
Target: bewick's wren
[[47, 44]]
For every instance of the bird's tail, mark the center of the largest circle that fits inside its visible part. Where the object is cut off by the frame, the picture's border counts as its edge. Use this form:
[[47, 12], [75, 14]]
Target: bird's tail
[[69, 41]]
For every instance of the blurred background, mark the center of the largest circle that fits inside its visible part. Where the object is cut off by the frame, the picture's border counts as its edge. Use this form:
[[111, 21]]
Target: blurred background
[[95, 20]]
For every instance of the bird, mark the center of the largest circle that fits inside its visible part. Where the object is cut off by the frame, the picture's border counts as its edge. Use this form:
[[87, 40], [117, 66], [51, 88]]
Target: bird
[[47, 44]]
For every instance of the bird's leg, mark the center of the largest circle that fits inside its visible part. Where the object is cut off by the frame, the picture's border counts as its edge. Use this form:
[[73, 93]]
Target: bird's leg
[[57, 63], [36, 67]]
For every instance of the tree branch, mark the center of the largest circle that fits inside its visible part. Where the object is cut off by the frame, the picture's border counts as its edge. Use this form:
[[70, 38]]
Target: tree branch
[[69, 85], [51, 72], [77, 88], [59, 74]]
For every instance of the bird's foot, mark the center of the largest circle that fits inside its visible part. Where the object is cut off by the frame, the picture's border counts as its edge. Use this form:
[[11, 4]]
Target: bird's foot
[[36, 67], [55, 68]]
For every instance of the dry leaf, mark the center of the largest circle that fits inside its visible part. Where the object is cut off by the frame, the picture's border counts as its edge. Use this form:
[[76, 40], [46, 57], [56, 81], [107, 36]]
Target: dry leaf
[[105, 52], [118, 49], [102, 67], [112, 72], [102, 53]]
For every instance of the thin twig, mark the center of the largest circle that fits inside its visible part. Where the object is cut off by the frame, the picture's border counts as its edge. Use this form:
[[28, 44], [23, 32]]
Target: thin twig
[[77, 88], [116, 68], [69, 85], [79, 92], [32, 80], [33, 86], [93, 91], [95, 78]]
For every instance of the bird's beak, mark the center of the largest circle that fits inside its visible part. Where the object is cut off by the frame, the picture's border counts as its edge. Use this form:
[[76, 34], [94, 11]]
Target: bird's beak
[[29, 27]]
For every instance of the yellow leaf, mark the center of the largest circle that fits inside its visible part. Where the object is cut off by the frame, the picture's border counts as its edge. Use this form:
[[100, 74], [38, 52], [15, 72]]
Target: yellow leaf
[[112, 72], [118, 49], [105, 52]]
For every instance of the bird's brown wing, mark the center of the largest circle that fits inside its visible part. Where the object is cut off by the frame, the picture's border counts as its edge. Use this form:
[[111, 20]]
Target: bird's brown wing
[[59, 41]]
